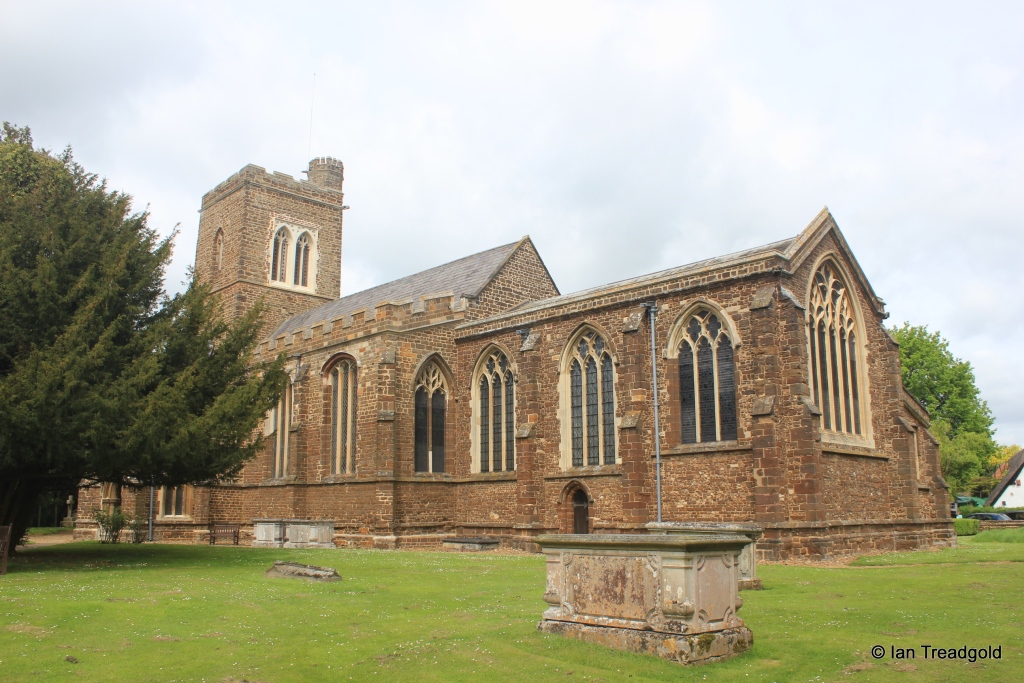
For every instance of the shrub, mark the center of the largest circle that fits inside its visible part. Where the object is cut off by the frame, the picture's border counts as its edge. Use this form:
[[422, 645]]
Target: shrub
[[111, 524], [965, 527], [1001, 536], [138, 526]]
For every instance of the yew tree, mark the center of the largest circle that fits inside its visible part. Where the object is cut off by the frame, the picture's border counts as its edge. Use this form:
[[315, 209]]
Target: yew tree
[[103, 376]]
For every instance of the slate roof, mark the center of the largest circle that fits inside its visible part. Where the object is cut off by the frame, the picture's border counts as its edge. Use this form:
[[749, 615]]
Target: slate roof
[[779, 248], [463, 277], [1013, 468]]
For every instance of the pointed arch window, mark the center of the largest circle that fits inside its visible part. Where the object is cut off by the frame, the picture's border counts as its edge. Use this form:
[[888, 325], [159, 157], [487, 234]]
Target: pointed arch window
[[591, 401], [277, 428], [494, 410], [301, 276], [707, 380], [430, 409], [834, 349], [218, 250], [279, 260], [343, 417]]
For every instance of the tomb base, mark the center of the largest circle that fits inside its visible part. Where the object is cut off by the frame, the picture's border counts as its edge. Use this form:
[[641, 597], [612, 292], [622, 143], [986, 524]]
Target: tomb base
[[696, 648]]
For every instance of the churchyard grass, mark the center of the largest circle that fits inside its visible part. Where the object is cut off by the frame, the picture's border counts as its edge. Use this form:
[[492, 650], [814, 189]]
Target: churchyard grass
[[200, 613]]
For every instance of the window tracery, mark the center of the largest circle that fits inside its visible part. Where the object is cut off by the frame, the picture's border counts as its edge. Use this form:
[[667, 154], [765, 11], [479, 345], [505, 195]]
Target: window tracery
[[430, 409], [495, 413], [833, 336], [343, 417], [707, 380], [591, 401]]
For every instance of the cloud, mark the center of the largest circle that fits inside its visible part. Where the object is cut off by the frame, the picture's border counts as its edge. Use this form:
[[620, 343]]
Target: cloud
[[623, 137]]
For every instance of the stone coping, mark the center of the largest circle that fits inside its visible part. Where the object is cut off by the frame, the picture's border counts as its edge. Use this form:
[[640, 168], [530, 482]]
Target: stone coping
[[747, 529], [482, 540], [282, 520], [633, 542]]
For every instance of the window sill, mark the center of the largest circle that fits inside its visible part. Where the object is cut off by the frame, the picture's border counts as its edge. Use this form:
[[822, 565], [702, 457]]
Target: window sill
[[588, 471], [707, 447], [284, 481], [493, 476], [337, 478], [837, 440], [862, 451], [170, 519]]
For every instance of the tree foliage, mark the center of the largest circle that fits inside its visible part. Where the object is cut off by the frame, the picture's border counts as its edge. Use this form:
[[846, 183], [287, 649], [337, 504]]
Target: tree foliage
[[103, 376], [961, 420]]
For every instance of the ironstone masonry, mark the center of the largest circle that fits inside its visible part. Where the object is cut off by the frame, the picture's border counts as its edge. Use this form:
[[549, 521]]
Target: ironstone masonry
[[814, 490]]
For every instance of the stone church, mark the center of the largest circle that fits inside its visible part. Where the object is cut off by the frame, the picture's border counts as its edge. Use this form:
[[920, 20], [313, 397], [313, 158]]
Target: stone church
[[474, 399]]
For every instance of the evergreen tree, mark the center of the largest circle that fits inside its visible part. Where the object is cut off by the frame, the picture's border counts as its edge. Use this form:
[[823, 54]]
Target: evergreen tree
[[103, 377]]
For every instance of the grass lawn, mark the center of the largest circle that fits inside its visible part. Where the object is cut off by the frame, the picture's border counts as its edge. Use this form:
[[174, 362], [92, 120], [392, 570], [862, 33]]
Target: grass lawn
[[200, 613]]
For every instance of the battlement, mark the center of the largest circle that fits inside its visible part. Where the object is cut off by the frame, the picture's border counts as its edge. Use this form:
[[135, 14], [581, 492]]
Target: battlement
[[384, 316]]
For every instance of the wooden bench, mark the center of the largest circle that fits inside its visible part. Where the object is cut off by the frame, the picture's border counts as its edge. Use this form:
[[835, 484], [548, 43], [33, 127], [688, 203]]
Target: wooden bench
[[226, 532], [5, 544]]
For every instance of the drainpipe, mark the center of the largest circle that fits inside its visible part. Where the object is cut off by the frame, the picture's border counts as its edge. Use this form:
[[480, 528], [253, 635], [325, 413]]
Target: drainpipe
[[652, 310], [152, 495]]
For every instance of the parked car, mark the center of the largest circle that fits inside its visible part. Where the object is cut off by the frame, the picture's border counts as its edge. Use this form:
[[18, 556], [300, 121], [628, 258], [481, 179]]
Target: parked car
[[989, 516], [1014, 514]]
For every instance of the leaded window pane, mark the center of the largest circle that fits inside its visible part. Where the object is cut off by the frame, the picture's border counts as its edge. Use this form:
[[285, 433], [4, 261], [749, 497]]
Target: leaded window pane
[[853, 383], [576, 391], [437, 420], [422, 418], [334, 421], [496, 451], [485, 432], [608, 409], [687, 394], [823, 370], [510, 430], [844, 363], [593, 439], [726, 390], [706, 390]]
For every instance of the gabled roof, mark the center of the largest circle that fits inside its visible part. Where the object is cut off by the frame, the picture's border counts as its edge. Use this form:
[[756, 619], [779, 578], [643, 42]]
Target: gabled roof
[[465, 277], [1013, 468], [791, 253]]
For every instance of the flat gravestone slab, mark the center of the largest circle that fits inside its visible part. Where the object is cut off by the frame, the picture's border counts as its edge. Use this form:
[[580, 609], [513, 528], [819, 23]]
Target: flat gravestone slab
[[469, 544], [294, 570]]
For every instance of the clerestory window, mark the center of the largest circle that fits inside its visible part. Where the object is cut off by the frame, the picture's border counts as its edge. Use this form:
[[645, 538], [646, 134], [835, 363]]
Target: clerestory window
[[430, 408], [494, 413], [707, 380]]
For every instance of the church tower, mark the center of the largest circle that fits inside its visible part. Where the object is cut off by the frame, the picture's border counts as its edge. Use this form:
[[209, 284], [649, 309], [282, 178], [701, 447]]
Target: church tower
[[267, 235]]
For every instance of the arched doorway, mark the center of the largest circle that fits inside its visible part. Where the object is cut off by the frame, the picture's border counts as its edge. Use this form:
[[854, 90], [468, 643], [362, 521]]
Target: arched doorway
[[580, 512]]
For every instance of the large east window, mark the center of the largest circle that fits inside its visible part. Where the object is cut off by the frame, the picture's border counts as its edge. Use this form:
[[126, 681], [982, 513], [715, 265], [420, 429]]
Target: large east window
[[835, 353]]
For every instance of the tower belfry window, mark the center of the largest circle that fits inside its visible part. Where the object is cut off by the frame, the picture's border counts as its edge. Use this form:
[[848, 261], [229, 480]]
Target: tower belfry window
[[279, 261], [301, 260]]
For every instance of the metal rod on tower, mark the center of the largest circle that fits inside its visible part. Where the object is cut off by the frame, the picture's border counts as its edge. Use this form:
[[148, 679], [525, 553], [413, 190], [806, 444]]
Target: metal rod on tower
[[312, 99]]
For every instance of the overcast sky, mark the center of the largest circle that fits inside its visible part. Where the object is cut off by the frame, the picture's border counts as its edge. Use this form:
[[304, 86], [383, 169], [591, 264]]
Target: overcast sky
[[623, 137]]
